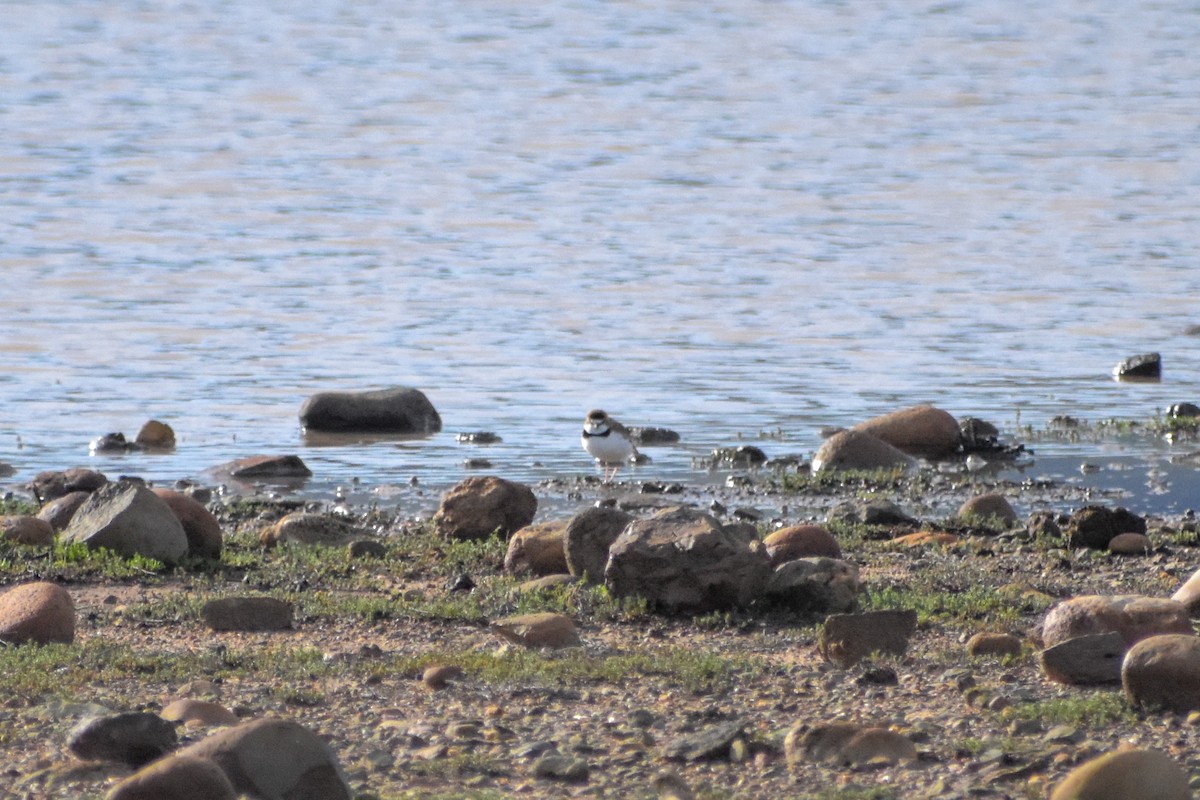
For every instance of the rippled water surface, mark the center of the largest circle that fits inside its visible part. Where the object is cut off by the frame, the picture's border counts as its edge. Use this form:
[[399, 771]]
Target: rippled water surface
[[720, 218]]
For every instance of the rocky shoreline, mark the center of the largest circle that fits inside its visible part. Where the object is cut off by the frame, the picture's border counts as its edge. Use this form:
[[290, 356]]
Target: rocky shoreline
[[426, 658]]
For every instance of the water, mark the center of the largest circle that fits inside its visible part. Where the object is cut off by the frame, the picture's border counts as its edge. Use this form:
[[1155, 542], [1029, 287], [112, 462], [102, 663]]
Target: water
[[724, 219]]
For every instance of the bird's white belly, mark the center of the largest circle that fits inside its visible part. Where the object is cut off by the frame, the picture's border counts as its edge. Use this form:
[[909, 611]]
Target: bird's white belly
[[611, 449]]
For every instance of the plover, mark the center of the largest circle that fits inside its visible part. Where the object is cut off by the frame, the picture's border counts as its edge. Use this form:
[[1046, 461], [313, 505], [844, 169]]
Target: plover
[[607, 441]]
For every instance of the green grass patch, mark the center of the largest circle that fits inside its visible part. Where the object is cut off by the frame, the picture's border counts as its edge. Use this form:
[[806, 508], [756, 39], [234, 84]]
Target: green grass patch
[[1099, 710]]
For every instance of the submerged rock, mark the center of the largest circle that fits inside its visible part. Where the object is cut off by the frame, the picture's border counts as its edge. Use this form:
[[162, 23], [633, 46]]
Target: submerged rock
[[1147, 366], [400, 410]]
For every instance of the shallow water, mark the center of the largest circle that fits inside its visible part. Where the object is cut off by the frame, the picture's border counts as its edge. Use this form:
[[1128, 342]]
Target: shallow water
[[729, 219]]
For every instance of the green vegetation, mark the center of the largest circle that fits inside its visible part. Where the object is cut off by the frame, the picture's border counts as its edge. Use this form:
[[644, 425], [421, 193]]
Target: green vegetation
[[1098, 710]]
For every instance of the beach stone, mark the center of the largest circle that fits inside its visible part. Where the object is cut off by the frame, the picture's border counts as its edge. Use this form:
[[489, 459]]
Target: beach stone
[[306, 528], [1163, 672], [39, 612], [1133, 616], [131, 520], [815, 585], [198, 712], [858, 450], [135, 738], [877, 746], [587, 539], [846, 639], [366, 548], [1043, 524], [987, 508], [557, 767], [59, 512], [801, 541], [923, 431], [275, 759], [989, 643], [537, 549], [51, 485], [399, 409], [1130, 544], [26, 529], [203, 532], [1189, 594], [285, 467], [821, 743], [175, 778], [682, 559], [547, 582], [1084, 660], [546, 629], [439, 677], [155, 435], [877, 511], [1147, 366], [479, 507], [247, 614], [1095, 526], [706, 745], [1129, 774]]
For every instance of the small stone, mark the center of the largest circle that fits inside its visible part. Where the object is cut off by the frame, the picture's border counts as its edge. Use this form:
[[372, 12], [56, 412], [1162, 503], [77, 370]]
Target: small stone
[[198, 712], [993, 644], [537, 549], [1147, 366], [1081, 660], [801, 541], [706, 745], [1163, 672], [27, 530], [155, 435], [39, 612], [440, 676], [1133, 616], [553, 766], [988, 509]]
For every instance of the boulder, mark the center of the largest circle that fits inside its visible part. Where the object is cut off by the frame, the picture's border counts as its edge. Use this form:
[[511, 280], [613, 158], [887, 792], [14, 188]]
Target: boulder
[[176, 778], [988, 508], [51, 485], [155, 435], [537, 550], [25, 529], [922, 431], [199, 525], [846, 639], [587, 539], [1147, 366], [801, 541], [131, 520], [38, 612], [58, 512], [989, 643], [275, 759], [1130, 774], [1163, 672], [1129, 544], [1133, 616], [479, 507], [815, 585], [1095, 526], [135, 738], [858, 450], [302, 527], [1085, 660], [398, 410], [681, 559], [247, 614], [546, 629]]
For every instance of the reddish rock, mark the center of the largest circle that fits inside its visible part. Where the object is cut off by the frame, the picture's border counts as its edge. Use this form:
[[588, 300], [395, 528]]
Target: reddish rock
[[37, 612], [1189, 594], [24, 529], [537, 550], [201, 527], [480, 507], [923, 431], [1133, 616], [801, 541], [265, 466], [926, 537], [438, 677], [155, 435]]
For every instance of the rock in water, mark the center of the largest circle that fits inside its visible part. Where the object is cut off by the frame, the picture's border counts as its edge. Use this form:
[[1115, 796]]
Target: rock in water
[[399, 410]]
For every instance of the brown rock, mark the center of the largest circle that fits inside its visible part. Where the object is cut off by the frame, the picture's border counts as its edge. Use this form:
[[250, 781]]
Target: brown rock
[[176, 778], [1084, 660], [587, 539], [199, 525], [479, 507], [439, 677], [1130, 544], [987, 509], [546, 629], [28, 530], [155, 435], [247, 614], [198, 712], [815, 585], [823, 743], [1163, 672], [1133, 616], [302, 527], [37, 612], [60, 511], [858, 450], [1126, 775], [537, 549], [878, 746], [993, 644], [923, 431], [47, 486], [846, 639], [275, 758], [1095, 526], [801, 541]]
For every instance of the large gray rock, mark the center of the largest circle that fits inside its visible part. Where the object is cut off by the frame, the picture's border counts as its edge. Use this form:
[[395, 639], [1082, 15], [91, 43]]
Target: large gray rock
[[275, 759], [815, 585], [396, 410], [682, 559], [588, 536], [476, 508], [130, 519]]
